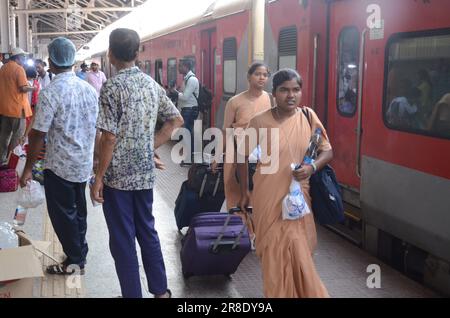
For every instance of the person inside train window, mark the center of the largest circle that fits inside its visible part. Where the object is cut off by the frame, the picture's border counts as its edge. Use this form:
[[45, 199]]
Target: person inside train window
[[425, 87], [130, 104], [440, 118], [239, 110], [285, 247], [402, 111]]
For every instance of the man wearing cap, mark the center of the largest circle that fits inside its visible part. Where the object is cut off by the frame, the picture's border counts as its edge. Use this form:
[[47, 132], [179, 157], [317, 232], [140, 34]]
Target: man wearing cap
[[66, 114], [14, 104], [96, 77], [83, 73]]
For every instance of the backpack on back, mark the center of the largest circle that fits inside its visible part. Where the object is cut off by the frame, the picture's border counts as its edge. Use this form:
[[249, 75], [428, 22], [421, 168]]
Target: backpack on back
[[204, 98]]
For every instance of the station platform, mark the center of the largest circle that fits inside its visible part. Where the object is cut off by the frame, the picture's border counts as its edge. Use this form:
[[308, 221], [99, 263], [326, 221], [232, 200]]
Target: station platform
[[341, 265]]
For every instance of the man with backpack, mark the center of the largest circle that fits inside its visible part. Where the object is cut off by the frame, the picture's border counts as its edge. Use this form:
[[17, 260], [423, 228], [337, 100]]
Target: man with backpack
[[187, 100]]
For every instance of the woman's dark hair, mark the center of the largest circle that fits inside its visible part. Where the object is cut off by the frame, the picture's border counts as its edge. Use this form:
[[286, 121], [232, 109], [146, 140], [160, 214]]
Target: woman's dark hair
[[124, 44], [283, 75], [252, 69]]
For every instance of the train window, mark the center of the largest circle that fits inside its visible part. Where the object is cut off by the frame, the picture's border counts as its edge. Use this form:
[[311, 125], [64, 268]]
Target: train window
[[347, 90], [417, 83], [147, 66], [158, 71], [172, 72], [287, 48], [229, 65]]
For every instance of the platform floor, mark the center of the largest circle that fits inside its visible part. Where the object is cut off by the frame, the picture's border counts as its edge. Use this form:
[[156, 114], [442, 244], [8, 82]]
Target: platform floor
[[341, 265]]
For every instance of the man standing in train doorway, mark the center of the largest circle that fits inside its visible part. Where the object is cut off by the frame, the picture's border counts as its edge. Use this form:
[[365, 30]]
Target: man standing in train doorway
[[187, 102], [130, 104]]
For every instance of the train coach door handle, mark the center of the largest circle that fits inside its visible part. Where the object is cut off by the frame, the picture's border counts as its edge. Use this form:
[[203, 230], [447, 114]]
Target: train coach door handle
[[360, 99]]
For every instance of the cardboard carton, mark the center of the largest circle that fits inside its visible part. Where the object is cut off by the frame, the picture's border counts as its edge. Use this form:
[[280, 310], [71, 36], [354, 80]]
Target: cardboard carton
[[19, 266]]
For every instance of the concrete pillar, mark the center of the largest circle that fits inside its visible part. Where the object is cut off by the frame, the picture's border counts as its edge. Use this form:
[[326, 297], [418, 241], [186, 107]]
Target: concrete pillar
[[23, 26], [4, 26], [12, 28], [258, 16]]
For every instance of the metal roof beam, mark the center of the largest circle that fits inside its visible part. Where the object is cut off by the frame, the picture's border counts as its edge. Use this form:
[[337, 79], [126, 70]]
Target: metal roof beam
[[65, 32], [69, 10]]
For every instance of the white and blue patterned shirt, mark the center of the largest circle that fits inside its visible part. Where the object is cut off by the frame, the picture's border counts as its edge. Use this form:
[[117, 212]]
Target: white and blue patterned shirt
[[130, 104], [67, 111]]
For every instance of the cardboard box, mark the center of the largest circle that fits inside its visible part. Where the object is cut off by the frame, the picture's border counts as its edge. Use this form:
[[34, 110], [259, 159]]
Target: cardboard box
[[20, 265]]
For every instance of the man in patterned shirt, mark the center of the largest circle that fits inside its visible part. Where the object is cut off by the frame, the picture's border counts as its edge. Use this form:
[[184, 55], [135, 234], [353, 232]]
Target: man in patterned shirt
[[66, 113], [130, 104]]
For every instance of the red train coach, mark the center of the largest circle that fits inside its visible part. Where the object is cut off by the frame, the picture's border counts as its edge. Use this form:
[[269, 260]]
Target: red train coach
[[378, 74]]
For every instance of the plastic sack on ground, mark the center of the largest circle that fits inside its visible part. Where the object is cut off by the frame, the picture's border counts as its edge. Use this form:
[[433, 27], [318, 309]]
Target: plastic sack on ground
[[19, 151], [32, 195], [294, 205], [8, 239]]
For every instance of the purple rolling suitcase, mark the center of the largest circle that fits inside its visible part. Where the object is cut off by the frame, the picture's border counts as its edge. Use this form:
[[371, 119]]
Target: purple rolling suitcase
[[215, 244]]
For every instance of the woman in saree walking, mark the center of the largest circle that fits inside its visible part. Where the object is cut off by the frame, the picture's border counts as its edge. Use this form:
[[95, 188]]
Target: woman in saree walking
[[285, 247]]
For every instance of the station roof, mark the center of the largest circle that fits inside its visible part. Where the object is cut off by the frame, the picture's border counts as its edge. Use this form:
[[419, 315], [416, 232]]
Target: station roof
[[79, 20]]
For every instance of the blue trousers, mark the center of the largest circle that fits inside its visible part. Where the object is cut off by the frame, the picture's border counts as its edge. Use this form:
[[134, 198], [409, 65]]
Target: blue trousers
[[129, 216], [66, 204], [189, 115]]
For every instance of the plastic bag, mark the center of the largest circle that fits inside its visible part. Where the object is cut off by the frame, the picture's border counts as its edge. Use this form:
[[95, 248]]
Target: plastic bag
[[32, 195], [19, 151], [8, 239], [294, 205]]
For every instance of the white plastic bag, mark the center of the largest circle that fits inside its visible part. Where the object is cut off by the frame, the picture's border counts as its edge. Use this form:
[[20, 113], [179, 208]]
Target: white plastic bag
[[32, 195], [8, 239], [294, 205]]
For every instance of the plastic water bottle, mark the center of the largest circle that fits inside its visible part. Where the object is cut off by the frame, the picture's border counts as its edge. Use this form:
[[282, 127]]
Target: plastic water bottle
[[20, 215], [313, 147]]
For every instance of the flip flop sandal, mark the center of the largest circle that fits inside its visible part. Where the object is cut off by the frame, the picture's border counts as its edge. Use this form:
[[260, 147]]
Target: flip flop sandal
[[62, 270]]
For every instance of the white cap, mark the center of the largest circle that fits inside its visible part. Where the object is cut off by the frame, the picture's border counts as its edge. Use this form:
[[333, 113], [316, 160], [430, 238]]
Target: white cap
[[18, 51]]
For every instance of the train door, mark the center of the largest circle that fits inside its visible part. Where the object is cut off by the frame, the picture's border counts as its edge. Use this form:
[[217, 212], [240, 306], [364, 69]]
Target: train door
[[345, 82], [208, 47]]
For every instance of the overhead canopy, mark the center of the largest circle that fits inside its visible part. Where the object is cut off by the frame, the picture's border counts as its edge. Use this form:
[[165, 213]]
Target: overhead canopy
[[79, 20], [156, 17]]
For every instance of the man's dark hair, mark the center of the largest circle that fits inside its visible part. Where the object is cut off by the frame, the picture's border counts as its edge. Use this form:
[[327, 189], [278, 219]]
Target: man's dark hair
[[31, 72], [284, 75], [187, 63], [124, 44], [41, 62]]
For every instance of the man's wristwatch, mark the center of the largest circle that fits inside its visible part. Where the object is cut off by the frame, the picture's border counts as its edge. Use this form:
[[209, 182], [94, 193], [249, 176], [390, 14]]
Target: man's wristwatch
[[314, 167]]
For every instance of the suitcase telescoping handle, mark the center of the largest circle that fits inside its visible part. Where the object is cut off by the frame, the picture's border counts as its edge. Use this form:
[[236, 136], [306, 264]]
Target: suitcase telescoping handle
[[216, 185], [236, 242]]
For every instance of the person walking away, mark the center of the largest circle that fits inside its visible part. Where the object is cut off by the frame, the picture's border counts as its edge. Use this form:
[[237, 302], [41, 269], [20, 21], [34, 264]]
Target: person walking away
[[14, 104], [66, 113], [130, 104], [285, 247]]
